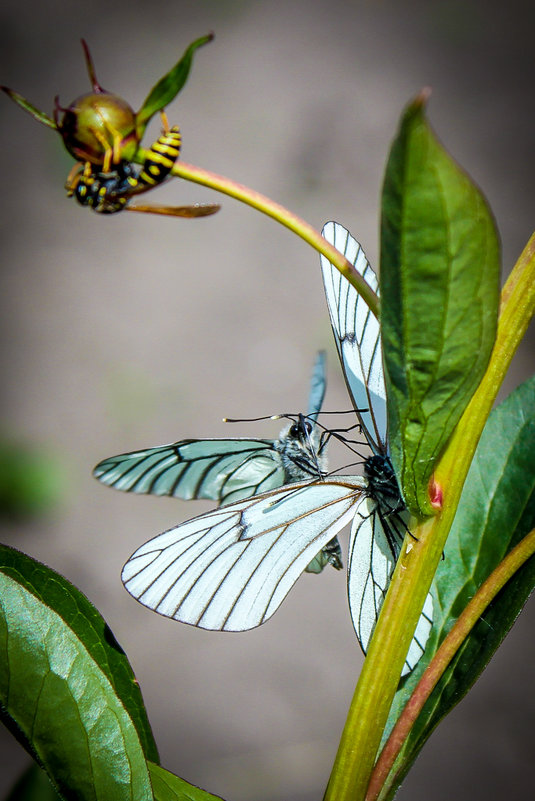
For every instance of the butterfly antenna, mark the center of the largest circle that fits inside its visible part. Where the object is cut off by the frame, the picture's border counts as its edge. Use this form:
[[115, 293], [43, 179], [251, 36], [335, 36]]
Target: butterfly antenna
[[346, 466], [248, 419]]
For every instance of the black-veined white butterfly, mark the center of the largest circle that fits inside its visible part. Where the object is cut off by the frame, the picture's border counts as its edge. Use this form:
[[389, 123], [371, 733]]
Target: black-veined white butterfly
[[232, 568], [228, 470], [380, 522]]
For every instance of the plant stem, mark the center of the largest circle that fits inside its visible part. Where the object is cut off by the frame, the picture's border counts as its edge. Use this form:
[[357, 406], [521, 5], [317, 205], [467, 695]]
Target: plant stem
[[449, 647], [419, 558], [281, 215]]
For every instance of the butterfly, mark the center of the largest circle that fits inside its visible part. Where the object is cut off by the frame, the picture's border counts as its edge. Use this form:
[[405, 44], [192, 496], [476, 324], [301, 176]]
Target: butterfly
[[380, 521], [231, 569], [228, 470]]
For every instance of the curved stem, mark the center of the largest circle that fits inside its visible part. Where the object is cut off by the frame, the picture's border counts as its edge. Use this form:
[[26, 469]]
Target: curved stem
[[449, 647], [278, 213]]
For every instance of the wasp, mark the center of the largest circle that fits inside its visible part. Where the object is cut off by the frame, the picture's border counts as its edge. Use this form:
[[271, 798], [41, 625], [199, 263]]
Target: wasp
[[109, 190]]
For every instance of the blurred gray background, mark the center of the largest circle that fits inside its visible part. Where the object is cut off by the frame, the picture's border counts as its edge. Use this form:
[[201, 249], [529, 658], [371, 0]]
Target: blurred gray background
[[132, 331]]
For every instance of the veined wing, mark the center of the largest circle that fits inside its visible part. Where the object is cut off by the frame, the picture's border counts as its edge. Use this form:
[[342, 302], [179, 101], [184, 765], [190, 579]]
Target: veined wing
[[223, 470], [371, 561], [231, 569], [357, 335], [318, 386]]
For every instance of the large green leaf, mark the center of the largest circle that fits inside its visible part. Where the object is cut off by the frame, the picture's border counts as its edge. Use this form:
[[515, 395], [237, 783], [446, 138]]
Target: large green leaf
[[169, 86], [497, 509], [439, 298], [66, 689], [168, 787]]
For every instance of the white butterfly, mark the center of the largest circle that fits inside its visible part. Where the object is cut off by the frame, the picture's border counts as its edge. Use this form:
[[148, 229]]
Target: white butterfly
[[379, 524], [232, 568], [228, 470]]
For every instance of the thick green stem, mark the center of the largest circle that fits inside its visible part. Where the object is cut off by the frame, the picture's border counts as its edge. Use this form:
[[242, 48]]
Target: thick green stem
[[420, 556], [278, 213], [449, 647]]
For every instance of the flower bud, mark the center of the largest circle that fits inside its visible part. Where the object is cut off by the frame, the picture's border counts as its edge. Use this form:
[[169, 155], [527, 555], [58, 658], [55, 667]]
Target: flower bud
[[97, 126]]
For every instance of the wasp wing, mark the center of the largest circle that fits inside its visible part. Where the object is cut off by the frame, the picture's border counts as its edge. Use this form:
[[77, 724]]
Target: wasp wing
[[231, 569], [196, 210], [223, 470], [357, 335], [371, 561]]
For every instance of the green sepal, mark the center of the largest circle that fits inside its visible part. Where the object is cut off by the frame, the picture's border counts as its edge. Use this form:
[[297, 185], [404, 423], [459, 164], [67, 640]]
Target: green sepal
[[21, 101], [66, 688], [168, 87], [496, 511], [168, 787], [439, 283]]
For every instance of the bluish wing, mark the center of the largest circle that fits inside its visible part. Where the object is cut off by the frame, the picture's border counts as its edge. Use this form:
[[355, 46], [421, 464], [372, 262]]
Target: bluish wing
[[231, 569], [371, 561], [318, 386], [223, 470], [357, 335]]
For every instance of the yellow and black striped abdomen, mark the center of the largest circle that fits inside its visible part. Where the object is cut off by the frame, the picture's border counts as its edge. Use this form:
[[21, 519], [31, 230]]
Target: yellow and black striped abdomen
[[162, 155]]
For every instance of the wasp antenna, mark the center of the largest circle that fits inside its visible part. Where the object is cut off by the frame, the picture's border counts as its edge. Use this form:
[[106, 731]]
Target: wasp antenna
[[91, 68]]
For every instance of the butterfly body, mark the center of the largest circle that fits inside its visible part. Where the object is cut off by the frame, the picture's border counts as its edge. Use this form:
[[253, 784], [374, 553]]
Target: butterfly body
[[300, 451], [383, 488], [380, 522]]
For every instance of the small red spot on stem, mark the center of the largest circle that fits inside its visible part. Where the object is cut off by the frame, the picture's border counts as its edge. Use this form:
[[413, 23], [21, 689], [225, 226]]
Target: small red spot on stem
[[435, 494]]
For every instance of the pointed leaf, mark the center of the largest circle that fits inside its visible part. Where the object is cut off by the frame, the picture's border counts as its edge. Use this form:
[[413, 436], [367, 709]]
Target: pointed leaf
[[497, 509], [439, 288], [21, 101], [60, 664], [168, 787], [169, 86]]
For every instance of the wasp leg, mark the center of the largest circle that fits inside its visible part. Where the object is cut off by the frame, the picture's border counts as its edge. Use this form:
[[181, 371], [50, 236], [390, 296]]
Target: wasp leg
[[73, 178]]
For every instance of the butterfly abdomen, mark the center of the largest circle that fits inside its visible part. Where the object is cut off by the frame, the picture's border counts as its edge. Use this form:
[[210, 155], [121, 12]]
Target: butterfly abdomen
[[382, 484]]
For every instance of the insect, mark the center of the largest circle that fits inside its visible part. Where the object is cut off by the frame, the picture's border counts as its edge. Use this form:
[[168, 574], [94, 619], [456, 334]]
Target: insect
[[232, 568], [380, 522], [227, 470], [111, 191]]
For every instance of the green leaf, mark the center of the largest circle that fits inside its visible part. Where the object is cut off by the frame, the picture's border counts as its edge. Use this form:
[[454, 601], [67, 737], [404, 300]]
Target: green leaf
[[440, 263], [21, 101], [169, 86], [168, 787], [66, 689], [497, 509], [33, 785]]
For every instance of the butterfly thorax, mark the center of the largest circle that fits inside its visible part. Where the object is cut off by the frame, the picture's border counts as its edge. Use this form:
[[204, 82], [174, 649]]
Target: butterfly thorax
[[299, 449], [382, 484]]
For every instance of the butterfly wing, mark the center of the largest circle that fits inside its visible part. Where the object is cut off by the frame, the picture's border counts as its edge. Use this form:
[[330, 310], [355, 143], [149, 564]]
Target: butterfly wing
[[371, 561], [357, 335], [318, 386], [231, 569], [223, 470]]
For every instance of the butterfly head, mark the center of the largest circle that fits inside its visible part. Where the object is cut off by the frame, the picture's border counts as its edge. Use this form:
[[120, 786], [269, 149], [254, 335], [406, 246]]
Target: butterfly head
[[300, 449]]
